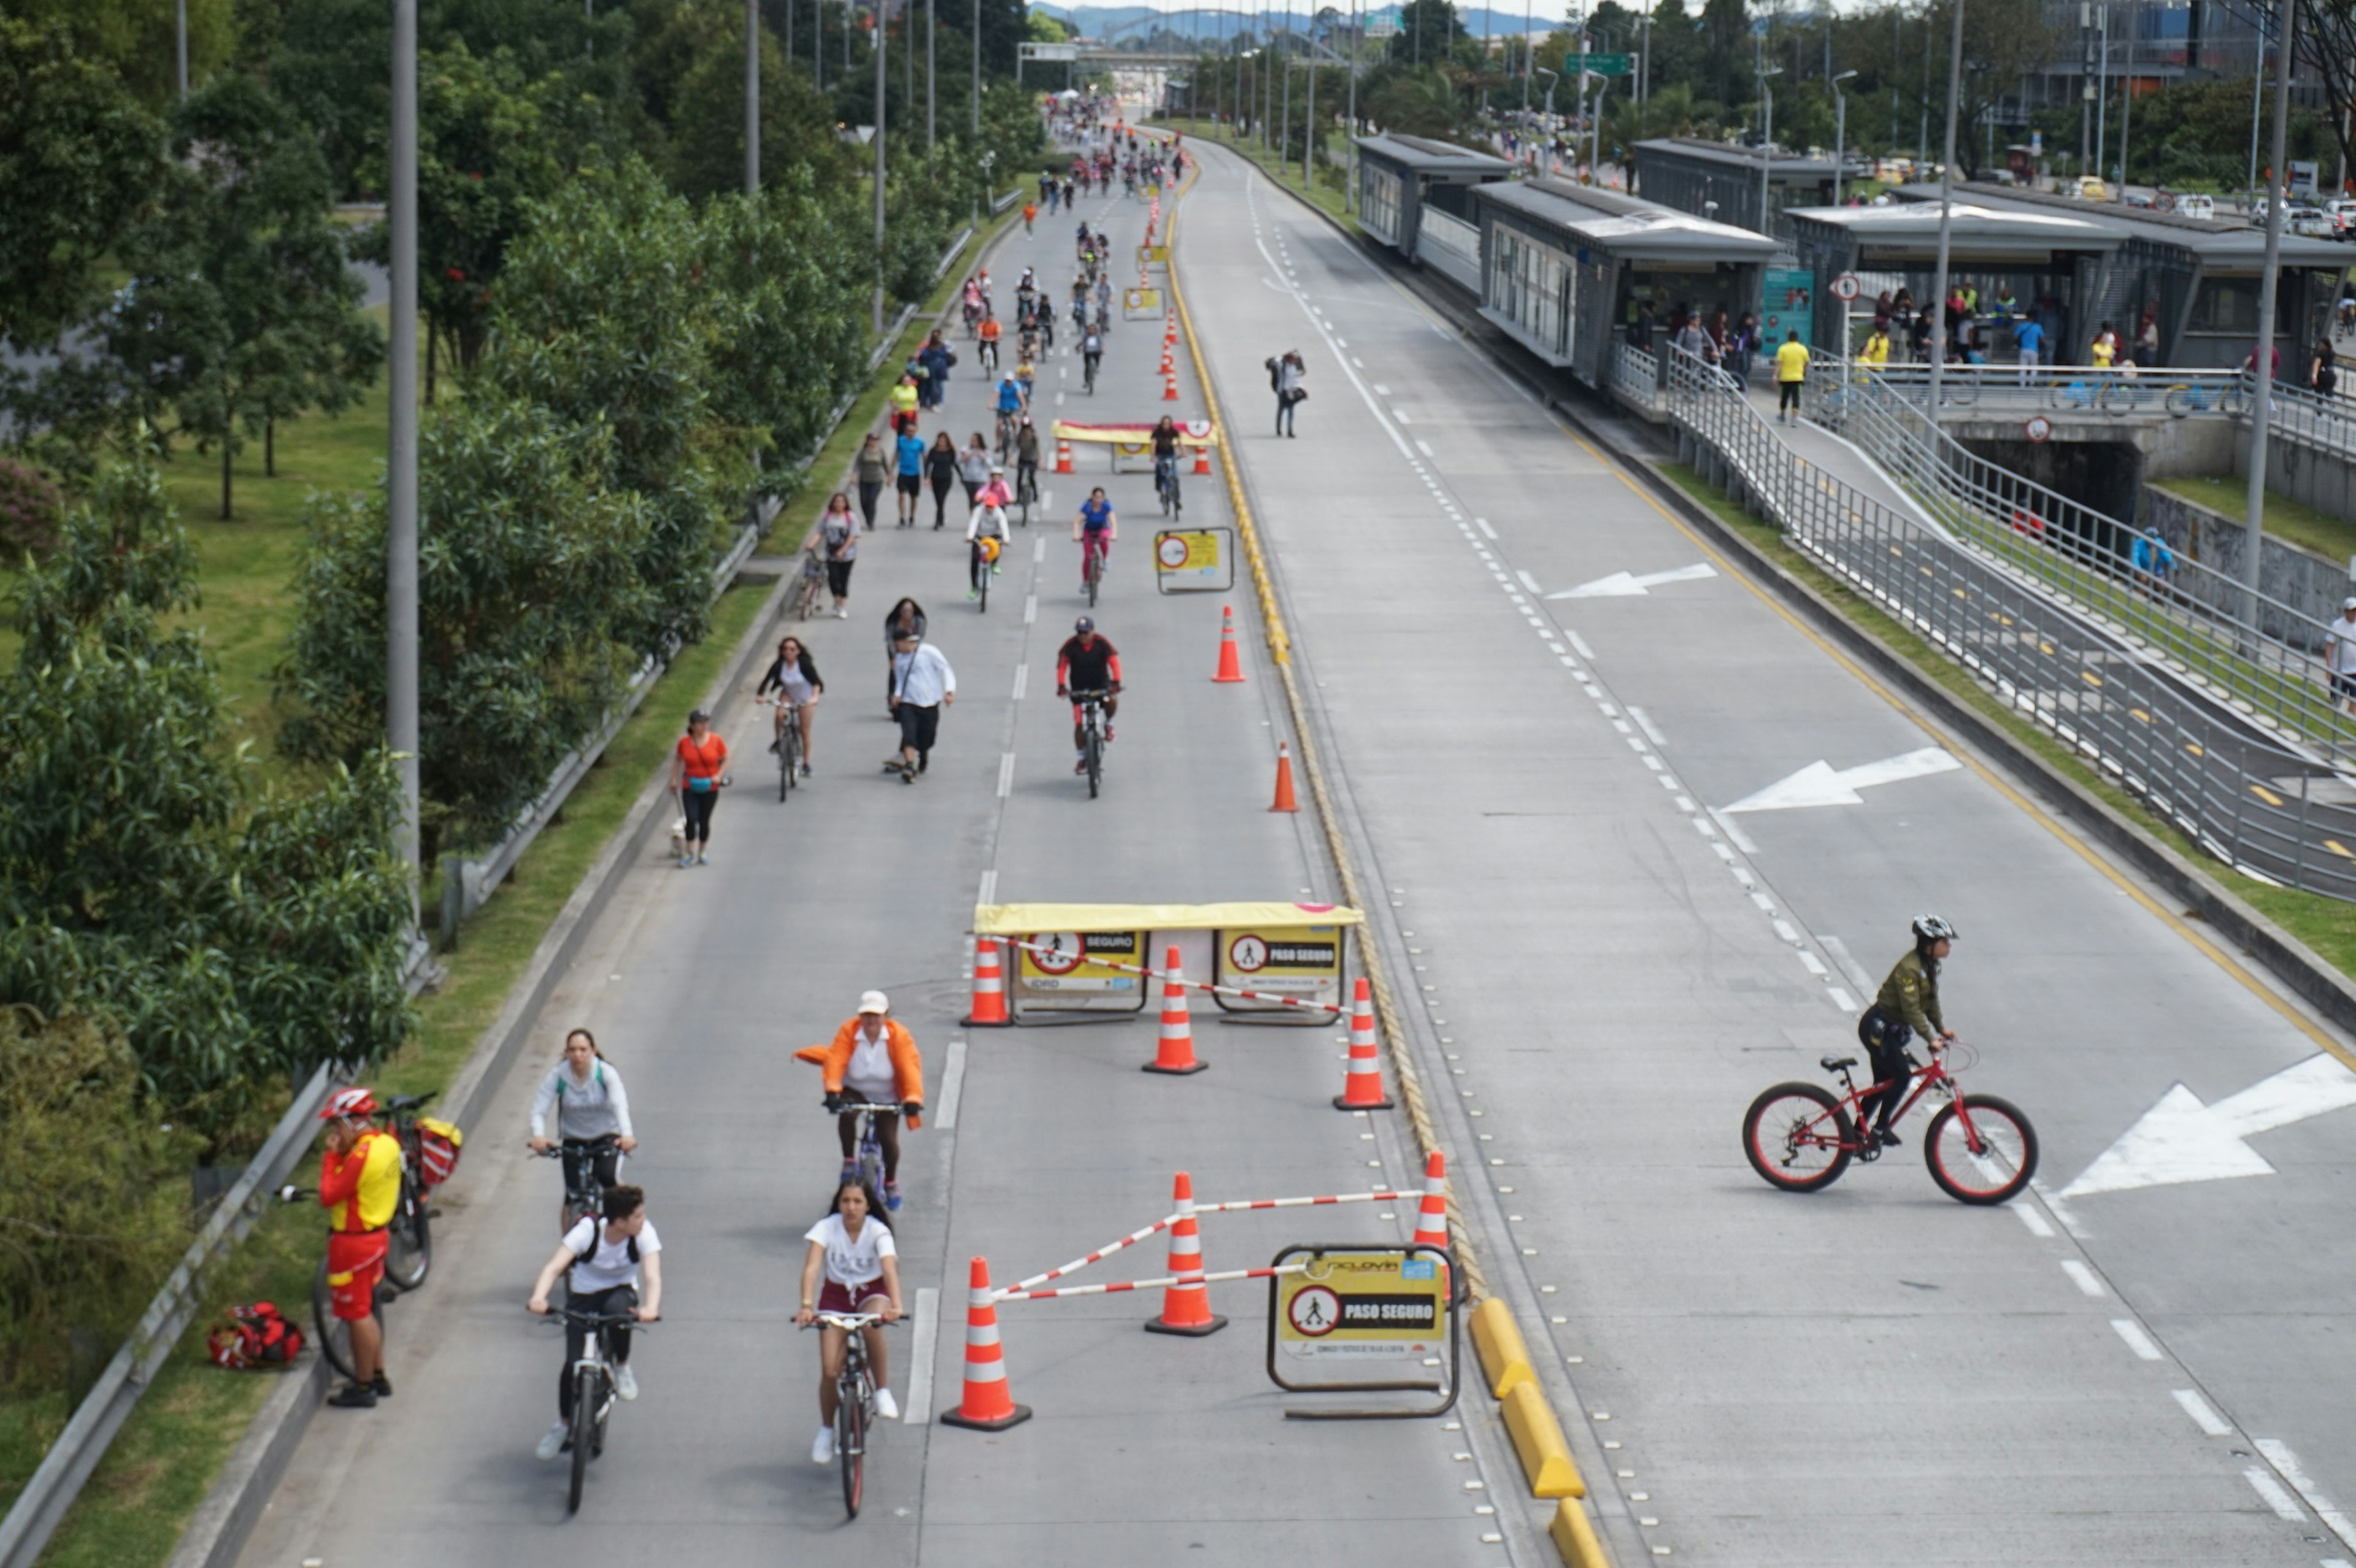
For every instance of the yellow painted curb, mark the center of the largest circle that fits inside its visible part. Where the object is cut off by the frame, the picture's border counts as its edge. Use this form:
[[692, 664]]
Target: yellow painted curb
[[1575, 1538], [1505, 1359], [1538, 1439]]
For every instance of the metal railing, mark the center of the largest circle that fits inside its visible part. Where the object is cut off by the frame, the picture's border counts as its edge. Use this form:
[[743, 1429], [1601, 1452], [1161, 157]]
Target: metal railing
[[2074, 390], [1637, 375], [1449, 245], [2253, 803], [2256, 653]]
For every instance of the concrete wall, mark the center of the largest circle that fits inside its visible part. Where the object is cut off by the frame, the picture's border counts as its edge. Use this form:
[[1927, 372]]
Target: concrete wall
[[2305, 582], [2323, 480]]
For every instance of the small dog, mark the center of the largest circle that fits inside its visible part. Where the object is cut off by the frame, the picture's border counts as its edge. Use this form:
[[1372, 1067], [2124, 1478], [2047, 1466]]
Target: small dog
[[678, 838]]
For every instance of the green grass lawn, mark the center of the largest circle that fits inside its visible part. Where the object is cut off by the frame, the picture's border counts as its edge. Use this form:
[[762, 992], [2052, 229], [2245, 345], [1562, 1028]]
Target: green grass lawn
[[2325, 924], [2293, 522], [1328, 191]]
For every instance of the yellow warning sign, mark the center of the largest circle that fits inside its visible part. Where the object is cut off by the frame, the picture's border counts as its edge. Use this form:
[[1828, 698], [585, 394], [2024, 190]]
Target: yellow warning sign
[[1137, 303], [1075, 970], [1280, 960], [1191, 559], [1380, 1302]]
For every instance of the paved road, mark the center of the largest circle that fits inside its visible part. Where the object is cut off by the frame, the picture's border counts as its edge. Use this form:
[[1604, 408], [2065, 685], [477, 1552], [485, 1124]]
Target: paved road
[[2108, 1374], [1145, 1449]]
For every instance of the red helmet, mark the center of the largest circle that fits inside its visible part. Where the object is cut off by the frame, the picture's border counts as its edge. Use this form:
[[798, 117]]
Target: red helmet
[[348, 1103]]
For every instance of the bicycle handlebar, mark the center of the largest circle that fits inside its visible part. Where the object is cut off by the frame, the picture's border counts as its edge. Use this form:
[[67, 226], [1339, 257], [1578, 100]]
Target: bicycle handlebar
[[854, 1320], [594, 1319]]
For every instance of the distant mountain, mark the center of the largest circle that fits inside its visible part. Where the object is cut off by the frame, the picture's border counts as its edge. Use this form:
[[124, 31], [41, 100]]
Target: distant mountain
[[1128, 21]]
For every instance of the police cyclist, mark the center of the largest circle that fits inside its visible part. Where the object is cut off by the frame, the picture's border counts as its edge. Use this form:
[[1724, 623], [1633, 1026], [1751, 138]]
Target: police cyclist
[[1907, 1005], [1087, 662]]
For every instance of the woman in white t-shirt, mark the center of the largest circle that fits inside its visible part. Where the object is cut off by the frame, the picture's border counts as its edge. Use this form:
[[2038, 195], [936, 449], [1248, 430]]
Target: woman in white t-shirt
[[852, 1250], [603, 1262]]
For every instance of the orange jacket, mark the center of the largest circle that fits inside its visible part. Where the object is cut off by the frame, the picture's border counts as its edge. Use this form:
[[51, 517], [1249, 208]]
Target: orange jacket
[[907, 1067]]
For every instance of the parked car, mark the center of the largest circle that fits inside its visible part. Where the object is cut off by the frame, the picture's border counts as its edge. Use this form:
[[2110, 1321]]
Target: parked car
[[2092, 188], [2201, 207], [2342, 213]]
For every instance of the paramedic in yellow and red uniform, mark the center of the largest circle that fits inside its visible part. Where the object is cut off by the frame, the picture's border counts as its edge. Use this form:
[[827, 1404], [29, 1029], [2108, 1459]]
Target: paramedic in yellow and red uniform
[[359, 1185]]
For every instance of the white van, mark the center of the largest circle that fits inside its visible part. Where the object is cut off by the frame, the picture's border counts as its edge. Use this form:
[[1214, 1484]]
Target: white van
[[2202, 207]]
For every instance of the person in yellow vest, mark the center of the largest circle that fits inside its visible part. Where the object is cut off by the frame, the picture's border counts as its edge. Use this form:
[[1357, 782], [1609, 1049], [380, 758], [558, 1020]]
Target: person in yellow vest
[[1790, 373], [359, 1186], [1875, 355]]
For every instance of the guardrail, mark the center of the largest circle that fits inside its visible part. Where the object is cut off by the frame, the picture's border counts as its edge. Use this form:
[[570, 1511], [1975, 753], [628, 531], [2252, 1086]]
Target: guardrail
[[64, 1469], [2256, 653], [2265, 808], [2073, 389], [1637, 376]]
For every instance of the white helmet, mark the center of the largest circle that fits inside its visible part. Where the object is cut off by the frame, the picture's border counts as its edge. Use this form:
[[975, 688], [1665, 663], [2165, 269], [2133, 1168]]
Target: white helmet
[[1929, 928]]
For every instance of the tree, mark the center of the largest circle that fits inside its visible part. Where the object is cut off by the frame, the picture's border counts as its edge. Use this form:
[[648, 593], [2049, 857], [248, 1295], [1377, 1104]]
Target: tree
[[77, 157], [244, 311], [1727, 59], [1428, 32], [2004, 40], [706, 129], [232, 934], [1409, 101], [528, 585], [135, 42]]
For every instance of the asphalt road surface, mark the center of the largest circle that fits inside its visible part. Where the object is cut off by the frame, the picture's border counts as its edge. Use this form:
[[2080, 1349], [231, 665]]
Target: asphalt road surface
[[1620, 915]]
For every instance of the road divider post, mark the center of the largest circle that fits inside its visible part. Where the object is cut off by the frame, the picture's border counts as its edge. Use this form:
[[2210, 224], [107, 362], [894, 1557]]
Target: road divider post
[[1538, 1441], [1497, 1340]]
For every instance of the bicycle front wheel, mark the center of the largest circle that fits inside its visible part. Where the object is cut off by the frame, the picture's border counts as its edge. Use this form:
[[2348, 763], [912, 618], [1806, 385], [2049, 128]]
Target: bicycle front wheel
[[1980, 1149], [851, 1446], [786, 760], [1095, 762], [1797, 1138], [409, 1239], [587, 1390]]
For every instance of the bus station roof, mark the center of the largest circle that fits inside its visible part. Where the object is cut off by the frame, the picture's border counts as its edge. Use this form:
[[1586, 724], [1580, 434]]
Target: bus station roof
[[1426, 157], [1625, 225]]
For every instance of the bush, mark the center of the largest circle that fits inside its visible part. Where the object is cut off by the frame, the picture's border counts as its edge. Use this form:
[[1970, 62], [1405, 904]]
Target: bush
[[30, 507]]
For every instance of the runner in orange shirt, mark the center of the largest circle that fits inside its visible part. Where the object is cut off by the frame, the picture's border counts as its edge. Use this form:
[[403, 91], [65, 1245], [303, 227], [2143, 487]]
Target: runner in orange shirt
[[359, 1186]]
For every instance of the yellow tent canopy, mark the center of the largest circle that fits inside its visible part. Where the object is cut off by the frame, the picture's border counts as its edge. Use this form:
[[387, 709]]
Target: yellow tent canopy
[[1022, 920]]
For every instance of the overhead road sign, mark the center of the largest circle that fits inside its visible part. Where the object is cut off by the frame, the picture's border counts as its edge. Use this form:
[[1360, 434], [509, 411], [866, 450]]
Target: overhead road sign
[[1607, 65]]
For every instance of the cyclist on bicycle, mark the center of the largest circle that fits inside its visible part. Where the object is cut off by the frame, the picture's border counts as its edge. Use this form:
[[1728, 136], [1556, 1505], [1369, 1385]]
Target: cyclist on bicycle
[[360, 1187], [1080, 241], [1026, 459], [852, 1250], [1087, 662], [986, 356], [1094, 527], [873, 1061], [987, 522], [591, 1102], [1908, 1005], [1091, 356], [1026, 376], [1165, 453], [602, 1261]]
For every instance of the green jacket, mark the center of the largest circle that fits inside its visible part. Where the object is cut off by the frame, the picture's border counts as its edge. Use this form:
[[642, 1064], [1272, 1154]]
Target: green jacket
[[1911, 995]]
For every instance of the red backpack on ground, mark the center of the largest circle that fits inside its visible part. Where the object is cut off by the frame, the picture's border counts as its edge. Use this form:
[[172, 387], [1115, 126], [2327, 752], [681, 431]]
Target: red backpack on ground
[[255, 1336]]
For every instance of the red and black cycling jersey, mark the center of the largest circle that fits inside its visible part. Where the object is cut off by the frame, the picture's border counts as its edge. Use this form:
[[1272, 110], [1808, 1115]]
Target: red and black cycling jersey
[[1087, 666]]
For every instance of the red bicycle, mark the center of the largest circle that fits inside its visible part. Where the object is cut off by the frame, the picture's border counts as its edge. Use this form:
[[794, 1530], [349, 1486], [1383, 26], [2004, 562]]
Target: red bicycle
[[1801, 1136]]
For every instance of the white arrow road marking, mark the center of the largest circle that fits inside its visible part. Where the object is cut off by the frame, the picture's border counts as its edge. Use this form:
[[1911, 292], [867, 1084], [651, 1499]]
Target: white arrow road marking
[[1621, 584], [1819, 784], [2180, 1139]]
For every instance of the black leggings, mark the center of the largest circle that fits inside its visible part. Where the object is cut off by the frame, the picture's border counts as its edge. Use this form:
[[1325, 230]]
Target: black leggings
[[621, 1298], [1787, 396], [696, 806], [887, 1133], [1885, 1043]]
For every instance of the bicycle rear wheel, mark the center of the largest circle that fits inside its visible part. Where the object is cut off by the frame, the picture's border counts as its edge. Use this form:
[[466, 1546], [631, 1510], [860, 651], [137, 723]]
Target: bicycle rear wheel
[[1987, 1162], [335, 1335], [409, 1239], [850, 1446], [1797, 1138], [587, 1388]]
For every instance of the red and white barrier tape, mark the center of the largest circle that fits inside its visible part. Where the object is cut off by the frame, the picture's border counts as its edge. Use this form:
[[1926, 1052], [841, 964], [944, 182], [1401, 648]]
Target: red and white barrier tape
[[1301, 1202], [1105, 1252], [1029, 1287], [1335, 1007], [1013, 1292]]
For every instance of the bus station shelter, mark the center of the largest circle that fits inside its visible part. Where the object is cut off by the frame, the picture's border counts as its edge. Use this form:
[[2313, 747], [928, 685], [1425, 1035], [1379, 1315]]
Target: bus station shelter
[[1415, 196], [1570, 268], [1273, 962], [1719, 181]]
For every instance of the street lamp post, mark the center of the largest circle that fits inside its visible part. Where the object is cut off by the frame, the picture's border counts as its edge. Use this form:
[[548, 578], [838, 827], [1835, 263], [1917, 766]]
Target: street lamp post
[[879, 168], [1946, 218], [2262, 357], [183, 48], [752, 98], [977, 73], [1767, 145], [1840, 132], [400, 447]]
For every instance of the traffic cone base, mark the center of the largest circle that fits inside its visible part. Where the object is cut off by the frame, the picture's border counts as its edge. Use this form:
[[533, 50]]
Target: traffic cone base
[[1284, 798], [1343, 1102], [1015, 1414], [1208, 1326], [1181, 1071]]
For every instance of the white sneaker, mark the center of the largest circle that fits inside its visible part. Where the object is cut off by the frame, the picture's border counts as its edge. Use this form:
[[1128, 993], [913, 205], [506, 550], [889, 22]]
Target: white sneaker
[[822, 1451], [625, 1382], [552, 1442], [886, 1407]]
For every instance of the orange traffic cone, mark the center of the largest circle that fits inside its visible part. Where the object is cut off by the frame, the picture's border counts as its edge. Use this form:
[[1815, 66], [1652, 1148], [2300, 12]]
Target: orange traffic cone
[[1186, 1306], [1201, 463], [1063, 456], [1432, 1224], [989, 989], [1169, 387], [1361, 1088], [1231, 670], [1284, 800], [1168, 364], [1177, 1052], [987, 1405]]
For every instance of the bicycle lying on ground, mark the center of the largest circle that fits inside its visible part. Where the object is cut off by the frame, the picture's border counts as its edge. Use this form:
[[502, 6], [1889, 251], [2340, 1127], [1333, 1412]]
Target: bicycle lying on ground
[[855, 1403], [1800, 1137], [593, 1392]]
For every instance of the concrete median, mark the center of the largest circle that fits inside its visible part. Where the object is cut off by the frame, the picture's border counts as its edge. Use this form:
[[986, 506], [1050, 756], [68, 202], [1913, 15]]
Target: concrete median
[[1538, 1439], [1497, 1340]]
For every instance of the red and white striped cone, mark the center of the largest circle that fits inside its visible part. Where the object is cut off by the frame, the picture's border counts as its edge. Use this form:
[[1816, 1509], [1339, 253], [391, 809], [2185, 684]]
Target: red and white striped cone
[[986, 1406], [1186, 1306], [989, 989], [1362, 1087], [1169, 387], [1431, 1223], [1176, 1053]]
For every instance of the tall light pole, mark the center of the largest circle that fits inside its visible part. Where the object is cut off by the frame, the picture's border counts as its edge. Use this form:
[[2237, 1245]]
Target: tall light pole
[[1946, 216], [1840, 131], [932, 53], [1767, 145], [752, 98], [1350, 134], [879, 167], [2262, 358], [183, 46], [401, 733], [975, 128]]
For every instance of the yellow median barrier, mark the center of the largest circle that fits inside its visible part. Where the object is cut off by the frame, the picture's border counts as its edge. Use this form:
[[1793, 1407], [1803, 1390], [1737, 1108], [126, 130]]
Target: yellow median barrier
[[1505, 1359], [1538, 1439], [1574, 1537]]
